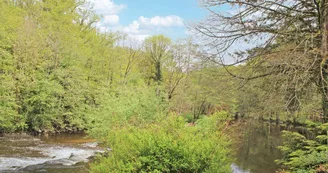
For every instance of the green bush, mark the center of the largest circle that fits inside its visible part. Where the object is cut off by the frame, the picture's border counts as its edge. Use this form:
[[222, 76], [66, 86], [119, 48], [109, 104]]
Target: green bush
[[306, 153], [166, 146], [126, 106]]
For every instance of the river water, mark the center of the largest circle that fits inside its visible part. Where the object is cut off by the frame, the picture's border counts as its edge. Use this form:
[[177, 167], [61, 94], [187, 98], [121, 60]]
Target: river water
[[254, 147], [67, 153]]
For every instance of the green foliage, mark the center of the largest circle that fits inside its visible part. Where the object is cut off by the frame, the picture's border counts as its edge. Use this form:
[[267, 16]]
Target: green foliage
[[11, 19], [207, 89], [58, 73], [44, 60], [127, 106], [166, 146], [157, 48], [208, 122], [305, 153]]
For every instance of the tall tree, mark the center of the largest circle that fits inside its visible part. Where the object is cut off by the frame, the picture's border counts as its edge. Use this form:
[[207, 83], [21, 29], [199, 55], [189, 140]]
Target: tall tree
[[322, 7], [179, 65], [285, 38], [157, 51], [157, 48]]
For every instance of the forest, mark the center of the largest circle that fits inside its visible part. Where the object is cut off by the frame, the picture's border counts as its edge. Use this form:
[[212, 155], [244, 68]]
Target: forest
[[163, 104]]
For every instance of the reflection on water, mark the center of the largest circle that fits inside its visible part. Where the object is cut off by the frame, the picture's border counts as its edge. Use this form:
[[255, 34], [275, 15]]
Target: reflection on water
[[255, 146], [63, 153]]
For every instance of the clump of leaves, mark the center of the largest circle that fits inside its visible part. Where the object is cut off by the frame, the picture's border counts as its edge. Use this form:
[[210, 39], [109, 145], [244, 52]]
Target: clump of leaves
[[306, 153], [167, 146]]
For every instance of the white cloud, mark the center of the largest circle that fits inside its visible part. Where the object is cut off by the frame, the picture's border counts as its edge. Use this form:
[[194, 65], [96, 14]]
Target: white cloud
[[135, 31], [140, 28], [106, 7], [154, 23], [166, 21], [133, 28], [111, 20], [144, 27], [108, 10]]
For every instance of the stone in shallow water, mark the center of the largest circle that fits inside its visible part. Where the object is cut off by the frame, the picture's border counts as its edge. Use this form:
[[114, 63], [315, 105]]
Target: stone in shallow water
[[56, 168], [90, 145]]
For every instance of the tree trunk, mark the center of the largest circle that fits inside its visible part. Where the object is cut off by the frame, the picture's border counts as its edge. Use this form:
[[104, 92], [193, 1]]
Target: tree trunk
[[158, 77], [158, 71], [277, 118], [324, 63]]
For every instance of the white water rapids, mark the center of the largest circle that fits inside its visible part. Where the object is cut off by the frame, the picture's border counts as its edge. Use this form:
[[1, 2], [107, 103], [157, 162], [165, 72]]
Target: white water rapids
[[19, 153]]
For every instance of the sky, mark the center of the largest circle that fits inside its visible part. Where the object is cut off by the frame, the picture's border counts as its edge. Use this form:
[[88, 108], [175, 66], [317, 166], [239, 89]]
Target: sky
[[143, 18]]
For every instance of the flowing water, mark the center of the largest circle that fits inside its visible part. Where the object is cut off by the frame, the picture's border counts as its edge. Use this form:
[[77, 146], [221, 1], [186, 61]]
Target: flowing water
[[67, 153], [255, 149]]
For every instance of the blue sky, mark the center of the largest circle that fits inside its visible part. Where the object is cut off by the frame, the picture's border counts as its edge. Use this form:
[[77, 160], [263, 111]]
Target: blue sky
[[142, 18], [186, 9]]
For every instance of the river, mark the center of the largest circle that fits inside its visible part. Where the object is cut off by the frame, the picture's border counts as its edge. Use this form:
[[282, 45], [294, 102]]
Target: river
[[66, 153], [254, 147]]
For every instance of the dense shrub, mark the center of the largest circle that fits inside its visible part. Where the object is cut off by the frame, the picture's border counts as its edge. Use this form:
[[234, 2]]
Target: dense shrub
[[166, 146], [306, 152], [126, 106]]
